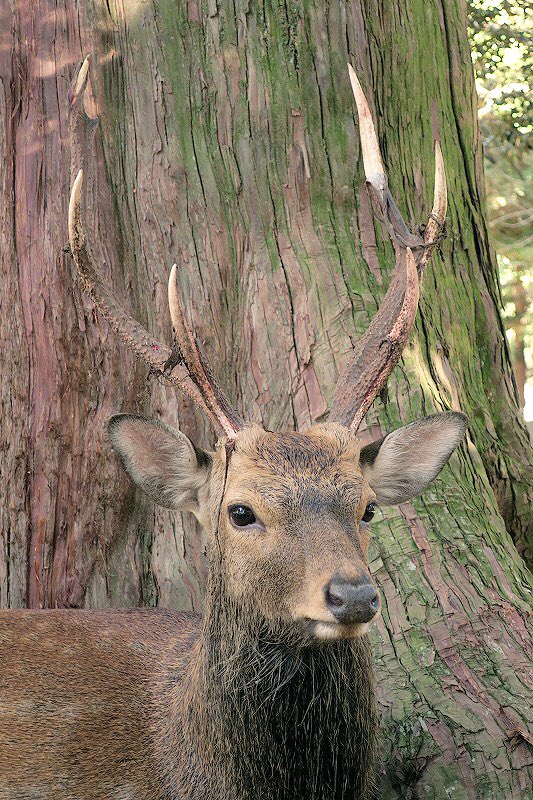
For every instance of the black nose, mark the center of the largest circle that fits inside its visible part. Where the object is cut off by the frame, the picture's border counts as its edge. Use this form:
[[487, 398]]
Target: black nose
[[352, 601]]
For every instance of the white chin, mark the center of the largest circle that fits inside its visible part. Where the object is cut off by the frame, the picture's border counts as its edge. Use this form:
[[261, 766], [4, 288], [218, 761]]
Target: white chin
[[334, 630]]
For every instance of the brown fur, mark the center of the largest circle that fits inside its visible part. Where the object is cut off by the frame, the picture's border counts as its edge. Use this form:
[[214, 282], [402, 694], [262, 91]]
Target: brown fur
[[76, 689]]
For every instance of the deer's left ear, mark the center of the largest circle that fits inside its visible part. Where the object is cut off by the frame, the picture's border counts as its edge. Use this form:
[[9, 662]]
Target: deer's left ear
[[404, 462]]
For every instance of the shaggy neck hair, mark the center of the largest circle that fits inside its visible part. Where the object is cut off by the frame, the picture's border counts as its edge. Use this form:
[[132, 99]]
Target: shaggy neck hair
[[276, 718]]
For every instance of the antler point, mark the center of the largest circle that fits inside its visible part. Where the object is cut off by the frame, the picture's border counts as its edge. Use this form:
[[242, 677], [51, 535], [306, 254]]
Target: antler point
[[74, 228], [80, 83], [369, 141]]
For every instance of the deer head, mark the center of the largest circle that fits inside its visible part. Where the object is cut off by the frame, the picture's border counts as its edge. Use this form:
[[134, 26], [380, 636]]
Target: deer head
[[287, 514]]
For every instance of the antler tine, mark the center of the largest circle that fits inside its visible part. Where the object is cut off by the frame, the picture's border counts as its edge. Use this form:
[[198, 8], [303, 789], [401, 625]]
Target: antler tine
[[372, 163], [180, 369], [379, 349], [79, 83], [437, 218], [134, 335], [197, 365]]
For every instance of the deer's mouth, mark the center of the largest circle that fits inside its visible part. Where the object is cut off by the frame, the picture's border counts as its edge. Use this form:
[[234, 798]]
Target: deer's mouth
[[332, 631]]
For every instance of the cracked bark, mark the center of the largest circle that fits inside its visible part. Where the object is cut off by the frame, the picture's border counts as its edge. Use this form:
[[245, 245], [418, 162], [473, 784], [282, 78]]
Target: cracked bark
[[227, 143]]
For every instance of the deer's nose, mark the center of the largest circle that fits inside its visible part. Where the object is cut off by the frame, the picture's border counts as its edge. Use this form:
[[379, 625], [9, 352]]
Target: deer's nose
[[352, 601]]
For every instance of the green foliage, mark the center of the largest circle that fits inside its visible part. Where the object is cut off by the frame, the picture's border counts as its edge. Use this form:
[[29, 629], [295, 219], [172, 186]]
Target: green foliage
[[502, 52]]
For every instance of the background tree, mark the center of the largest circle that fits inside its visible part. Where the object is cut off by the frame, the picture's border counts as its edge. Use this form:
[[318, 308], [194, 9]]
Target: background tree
[[227, 143]]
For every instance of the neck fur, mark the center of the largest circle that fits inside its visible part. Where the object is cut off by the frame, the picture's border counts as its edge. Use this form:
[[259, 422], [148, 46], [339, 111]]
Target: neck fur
[[277, 719]]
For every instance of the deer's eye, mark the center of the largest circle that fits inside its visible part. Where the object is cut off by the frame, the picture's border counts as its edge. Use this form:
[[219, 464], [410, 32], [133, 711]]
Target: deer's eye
[[370, 510], [241, 516]]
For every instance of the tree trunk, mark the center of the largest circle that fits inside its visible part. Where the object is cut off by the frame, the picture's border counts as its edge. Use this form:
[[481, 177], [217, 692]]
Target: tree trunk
[[228, 144]]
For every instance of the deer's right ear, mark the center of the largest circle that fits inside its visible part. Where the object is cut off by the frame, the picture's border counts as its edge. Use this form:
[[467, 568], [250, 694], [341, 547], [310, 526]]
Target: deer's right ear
[[160, 460]]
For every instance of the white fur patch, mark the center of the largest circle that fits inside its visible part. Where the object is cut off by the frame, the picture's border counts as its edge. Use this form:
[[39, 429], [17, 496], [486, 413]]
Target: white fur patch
[[333, 630]]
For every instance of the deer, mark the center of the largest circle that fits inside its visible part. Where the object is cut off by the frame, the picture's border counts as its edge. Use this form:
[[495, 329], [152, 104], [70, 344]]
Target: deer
[[271, 693]]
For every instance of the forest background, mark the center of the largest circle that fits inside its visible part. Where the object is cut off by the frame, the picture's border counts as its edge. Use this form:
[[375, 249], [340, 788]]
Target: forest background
[[502, 51]]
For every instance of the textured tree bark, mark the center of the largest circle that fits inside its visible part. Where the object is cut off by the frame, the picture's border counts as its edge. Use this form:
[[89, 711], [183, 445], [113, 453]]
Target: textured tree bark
[[228, 144]]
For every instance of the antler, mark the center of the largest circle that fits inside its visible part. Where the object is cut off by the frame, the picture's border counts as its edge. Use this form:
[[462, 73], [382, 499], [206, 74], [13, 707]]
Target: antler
[[184, 366], [379, 349]]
